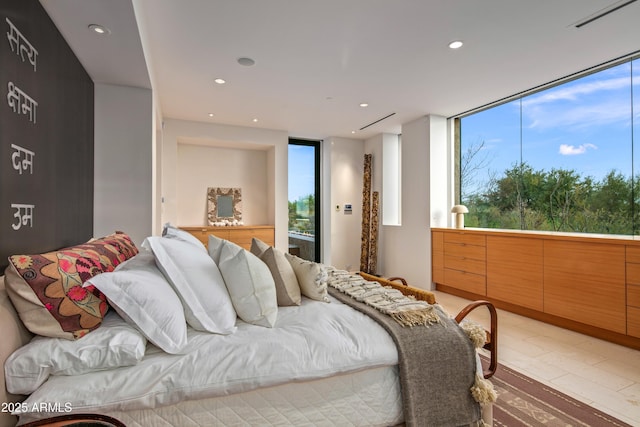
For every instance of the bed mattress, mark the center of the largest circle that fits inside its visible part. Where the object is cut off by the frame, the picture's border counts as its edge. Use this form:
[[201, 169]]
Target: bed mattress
[[320, 360]]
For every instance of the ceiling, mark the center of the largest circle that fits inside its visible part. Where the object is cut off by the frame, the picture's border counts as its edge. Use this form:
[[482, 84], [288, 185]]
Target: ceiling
[[316, 61]]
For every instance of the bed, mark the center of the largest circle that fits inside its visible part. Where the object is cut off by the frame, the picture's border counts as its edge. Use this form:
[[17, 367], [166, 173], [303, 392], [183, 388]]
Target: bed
[[317, 361]]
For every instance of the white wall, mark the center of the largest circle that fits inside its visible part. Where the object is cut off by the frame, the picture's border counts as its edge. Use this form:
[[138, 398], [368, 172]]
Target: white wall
[[376, 147], [157, 179], [200, 167], [391, 168], [426, 190], [441, 172], [343, 164], [225, 136], [407, 248], [123, 161], [126, 164]]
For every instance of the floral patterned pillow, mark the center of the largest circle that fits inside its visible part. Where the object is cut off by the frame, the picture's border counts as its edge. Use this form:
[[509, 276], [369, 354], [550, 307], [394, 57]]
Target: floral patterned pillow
[[47, 291]]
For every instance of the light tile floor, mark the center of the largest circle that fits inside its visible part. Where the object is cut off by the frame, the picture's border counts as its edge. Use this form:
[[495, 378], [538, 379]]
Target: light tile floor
[[601, 374]]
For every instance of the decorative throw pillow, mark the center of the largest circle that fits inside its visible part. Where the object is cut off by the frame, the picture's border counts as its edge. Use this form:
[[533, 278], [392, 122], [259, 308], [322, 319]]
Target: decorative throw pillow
[[171, 232], [197, 280], [47, 290], [258, 246], [250, 285], [139, 292], [115, 343], [287, 287], [312, 277]]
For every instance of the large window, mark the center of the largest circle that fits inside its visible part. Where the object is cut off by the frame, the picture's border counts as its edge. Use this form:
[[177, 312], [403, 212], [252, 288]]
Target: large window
[[304, 199], [559, 159]]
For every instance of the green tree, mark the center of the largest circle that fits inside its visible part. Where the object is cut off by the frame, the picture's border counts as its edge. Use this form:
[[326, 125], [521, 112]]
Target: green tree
[[556, 200], [612, 202], [293, 211], [302, 220]]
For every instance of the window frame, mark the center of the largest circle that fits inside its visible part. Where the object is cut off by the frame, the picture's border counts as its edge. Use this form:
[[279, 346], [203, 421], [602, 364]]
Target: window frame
[[316, 144]]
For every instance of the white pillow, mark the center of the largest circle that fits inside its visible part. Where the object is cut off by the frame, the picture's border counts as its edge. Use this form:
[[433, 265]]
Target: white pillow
[[198, 282], [215, 247], [250, 285], [139, 292], [171, 232], [312, 277], [115, 343]]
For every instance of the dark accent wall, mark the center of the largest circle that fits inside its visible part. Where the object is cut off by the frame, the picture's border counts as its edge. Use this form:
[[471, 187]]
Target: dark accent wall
[[46, 109]]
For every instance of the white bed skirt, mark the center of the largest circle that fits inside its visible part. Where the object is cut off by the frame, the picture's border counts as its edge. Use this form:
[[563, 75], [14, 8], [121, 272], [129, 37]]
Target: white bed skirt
[[365, 398]]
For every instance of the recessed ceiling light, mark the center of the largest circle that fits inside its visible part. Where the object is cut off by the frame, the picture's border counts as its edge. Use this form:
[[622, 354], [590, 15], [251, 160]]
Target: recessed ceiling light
[[220, 81], [457, 44], [353, 131], [364, 104], [255, 120], [210, 114], [99, 29], [247, 62]]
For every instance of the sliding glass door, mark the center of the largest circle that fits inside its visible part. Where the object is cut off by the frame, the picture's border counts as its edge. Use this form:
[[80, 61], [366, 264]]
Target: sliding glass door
[[304, 199]]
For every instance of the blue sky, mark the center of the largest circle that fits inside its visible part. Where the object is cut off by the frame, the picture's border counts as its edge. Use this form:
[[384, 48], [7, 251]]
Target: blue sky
[[584, 125], [301, 171]]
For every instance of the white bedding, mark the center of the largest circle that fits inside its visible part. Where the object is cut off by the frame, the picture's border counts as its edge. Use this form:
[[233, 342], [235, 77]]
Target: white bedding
[[312, 341]]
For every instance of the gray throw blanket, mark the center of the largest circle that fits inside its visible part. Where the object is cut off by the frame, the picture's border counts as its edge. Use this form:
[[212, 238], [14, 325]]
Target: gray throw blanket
[[437, 367]]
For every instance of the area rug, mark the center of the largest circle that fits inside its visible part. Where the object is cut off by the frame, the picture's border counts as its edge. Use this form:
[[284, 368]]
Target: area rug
[[523, 401]]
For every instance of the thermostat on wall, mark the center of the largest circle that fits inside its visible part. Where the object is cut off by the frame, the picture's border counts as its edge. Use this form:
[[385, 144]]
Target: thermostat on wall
[[347, 209]]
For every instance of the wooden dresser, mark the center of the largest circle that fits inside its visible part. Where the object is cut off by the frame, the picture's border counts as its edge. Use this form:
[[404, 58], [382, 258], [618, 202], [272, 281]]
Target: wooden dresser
[[465, 258], [633, 290], [240, 235], [587, 283]]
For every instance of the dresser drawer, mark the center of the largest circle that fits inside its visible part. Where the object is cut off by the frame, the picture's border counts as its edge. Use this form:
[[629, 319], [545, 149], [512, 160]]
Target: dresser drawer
[[470, 265], [633, 295], [633, 273], [633, 254], [468, 282], [220, 232], [465, 251], [437, 241], [267, 235], [240, 235], [633, 321], [437, 274], [464, 238], [243, 237]]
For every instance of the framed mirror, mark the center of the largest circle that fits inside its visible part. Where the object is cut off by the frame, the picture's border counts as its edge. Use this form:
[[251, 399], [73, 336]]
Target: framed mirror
[[224, 205]]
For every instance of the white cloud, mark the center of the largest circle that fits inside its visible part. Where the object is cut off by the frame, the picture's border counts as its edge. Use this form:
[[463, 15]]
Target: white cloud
[[581, 105], [574, 92], [587, 115], [571, 150]]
